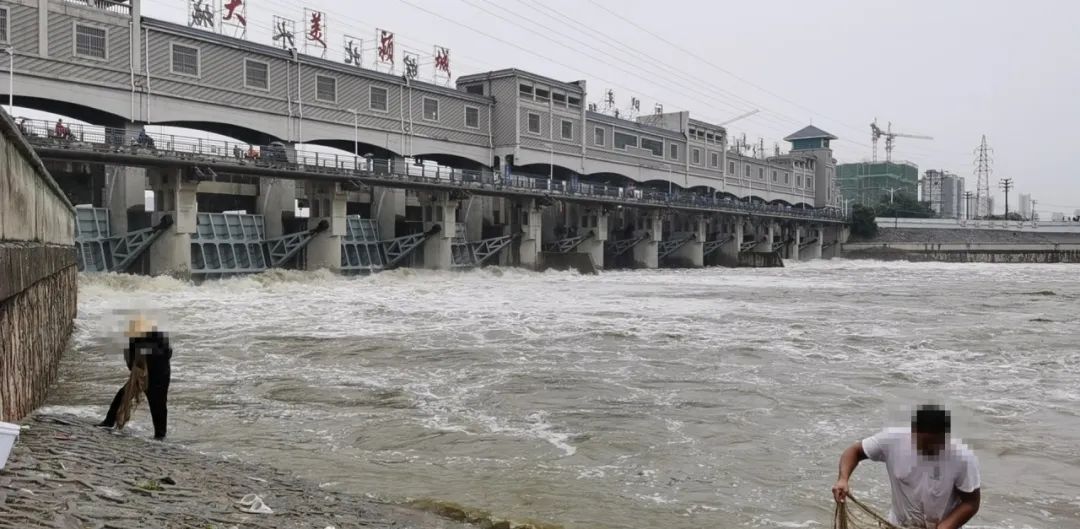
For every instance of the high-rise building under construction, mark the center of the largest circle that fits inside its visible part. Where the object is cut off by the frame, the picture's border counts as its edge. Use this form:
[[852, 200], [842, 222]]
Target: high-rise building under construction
[[867, 183]]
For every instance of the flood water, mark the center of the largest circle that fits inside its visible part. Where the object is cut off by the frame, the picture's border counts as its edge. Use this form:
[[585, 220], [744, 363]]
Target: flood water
[[646, 399]]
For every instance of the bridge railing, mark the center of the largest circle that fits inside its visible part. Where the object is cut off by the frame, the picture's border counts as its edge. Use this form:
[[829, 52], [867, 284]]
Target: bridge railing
[[285, 157]]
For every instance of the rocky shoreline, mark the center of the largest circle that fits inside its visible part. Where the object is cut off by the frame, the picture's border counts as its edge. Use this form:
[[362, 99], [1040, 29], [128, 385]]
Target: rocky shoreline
[[67, 474]]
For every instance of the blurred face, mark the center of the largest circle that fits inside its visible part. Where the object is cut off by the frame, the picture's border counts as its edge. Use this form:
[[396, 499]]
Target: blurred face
[[931, 444]]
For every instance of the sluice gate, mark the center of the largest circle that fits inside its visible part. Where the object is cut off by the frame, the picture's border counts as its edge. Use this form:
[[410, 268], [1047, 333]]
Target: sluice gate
[[99, 250]]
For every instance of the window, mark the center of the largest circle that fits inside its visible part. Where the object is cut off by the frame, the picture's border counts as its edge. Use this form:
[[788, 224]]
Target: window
[[534, 123], [256, 74], [575, 102], [622, 140], [525, 90], [3, 24], [185, 60], [774, 176], [787, 178], [798, 180], [477, 89], [90, 42], [558, 98], [326, 88], [731, 167], [653, 145], [696, 156], [431, 109], [673, 151], [542, 95], [809, 182], [567, 130], [761, 173], [472, 117], [747, 166], [378, 99], [715, 161], [598, 136]]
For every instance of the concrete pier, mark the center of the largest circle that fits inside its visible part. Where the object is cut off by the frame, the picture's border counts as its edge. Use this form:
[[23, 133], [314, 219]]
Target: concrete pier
[[532, 230], [729, 252], [646, 253], [691, 254], [439, 210], [328, 203], [37, 275], [175, 195]]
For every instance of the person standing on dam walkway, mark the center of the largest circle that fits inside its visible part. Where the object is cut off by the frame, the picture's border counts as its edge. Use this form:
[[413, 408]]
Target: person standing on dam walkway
[[935, 480]]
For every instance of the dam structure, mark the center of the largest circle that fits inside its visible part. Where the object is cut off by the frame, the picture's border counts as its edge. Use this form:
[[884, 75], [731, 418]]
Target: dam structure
[[506, 167]]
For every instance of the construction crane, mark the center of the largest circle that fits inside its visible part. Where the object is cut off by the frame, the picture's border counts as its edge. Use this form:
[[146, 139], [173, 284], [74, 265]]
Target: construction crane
[[890, 138]]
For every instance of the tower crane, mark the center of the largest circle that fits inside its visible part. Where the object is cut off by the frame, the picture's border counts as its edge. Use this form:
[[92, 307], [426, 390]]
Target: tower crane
[[890, 138]]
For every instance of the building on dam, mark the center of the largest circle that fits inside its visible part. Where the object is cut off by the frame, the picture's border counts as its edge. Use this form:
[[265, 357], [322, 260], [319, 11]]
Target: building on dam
[[506, 166]]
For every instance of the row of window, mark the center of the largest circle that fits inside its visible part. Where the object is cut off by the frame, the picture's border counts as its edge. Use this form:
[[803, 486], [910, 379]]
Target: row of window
[[706, 136], [185, 61], [747, 173], [566, 127], [543, 94]]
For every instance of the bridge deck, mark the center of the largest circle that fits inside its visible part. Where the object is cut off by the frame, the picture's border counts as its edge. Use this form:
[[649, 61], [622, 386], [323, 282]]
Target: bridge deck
[[112, 147]]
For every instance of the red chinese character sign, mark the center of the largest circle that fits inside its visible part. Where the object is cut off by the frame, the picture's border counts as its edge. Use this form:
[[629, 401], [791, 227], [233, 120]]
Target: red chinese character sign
[[354, 51], [384, 51], [442, 65], [315, 31], [234, 16]]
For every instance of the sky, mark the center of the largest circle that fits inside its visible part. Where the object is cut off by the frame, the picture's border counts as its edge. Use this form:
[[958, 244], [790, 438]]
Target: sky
[[954, 70]]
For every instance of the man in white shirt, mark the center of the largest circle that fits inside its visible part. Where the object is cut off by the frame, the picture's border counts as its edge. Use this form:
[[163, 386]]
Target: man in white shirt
[[935, 480]]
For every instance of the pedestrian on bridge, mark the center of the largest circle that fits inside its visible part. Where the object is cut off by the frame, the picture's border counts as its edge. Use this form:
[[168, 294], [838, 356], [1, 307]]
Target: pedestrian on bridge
[[147, 356]]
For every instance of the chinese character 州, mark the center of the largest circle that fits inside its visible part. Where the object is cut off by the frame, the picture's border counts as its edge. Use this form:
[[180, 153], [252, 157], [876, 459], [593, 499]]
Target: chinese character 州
[[352, 53], [201, 15], [315, 33], [232, 7]]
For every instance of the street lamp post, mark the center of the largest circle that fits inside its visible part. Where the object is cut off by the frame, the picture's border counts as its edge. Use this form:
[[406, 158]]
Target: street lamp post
[[10, 50], [355, 132]]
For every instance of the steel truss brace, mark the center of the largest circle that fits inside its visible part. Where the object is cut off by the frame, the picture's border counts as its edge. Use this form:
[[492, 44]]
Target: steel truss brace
[[283, 248], [129, 246]]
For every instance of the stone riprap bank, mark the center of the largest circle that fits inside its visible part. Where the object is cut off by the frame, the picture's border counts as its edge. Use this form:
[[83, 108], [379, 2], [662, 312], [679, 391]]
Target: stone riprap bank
[[37, 275]]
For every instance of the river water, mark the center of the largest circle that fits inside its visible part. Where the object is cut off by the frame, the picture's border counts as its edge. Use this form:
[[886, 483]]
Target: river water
[[645, 399]]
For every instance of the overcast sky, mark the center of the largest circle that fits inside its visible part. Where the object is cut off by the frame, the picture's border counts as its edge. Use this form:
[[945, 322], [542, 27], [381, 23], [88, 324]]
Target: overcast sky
[[954, 70]]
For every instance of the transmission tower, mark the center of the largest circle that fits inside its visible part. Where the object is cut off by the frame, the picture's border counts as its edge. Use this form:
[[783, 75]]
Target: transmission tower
[[982, 177]]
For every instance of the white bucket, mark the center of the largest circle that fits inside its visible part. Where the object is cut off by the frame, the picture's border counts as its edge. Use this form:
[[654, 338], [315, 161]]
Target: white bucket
[[8, 433]]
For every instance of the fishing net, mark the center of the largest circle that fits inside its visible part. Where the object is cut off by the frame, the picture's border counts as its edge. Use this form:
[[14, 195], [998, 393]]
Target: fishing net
[[853, 514]]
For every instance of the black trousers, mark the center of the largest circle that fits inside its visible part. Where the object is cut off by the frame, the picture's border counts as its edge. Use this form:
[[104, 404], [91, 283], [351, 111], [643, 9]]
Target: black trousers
[[157, 393]]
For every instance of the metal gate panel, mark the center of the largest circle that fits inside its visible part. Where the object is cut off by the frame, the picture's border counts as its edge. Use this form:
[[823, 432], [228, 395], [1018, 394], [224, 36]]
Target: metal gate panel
[[227, 244]]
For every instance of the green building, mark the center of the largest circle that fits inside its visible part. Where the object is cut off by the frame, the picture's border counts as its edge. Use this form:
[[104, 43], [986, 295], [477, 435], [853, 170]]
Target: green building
[[867, 182]]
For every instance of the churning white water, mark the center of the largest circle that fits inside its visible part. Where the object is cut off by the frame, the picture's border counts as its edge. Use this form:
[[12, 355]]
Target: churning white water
[[675, 399]]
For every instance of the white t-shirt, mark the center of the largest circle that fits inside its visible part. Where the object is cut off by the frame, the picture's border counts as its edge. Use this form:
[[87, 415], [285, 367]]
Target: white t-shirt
[[923, 487]]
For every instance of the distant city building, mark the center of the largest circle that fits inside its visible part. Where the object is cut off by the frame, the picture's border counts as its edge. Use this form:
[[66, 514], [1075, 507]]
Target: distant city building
[[866, 183], [989, 206], [1025, 205], [945, 193]]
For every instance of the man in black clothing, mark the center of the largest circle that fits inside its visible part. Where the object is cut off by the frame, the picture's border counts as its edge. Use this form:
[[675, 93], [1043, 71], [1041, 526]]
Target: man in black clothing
[[146, 346]]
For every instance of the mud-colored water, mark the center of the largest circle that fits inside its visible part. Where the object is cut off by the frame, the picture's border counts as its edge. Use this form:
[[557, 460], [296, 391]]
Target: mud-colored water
[[675, 399]]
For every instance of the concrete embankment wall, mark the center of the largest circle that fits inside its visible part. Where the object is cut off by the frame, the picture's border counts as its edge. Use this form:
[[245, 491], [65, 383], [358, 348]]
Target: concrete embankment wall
[[963, 245], [37, 275]]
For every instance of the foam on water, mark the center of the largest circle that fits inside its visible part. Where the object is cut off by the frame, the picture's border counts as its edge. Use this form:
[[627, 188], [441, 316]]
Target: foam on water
[[653, 398]]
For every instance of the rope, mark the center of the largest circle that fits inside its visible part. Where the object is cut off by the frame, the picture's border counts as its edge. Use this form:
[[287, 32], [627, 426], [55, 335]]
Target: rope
[[861, 517]]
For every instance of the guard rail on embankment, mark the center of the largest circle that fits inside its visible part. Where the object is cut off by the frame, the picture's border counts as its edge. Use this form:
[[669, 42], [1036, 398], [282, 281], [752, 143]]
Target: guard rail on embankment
[[966, 245], [37, 274]]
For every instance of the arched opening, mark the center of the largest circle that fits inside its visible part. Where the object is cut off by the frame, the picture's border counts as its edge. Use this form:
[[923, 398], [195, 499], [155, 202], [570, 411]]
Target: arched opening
[[360, 148], [543, 170], [237, 132], [451, 160], [71, 110]]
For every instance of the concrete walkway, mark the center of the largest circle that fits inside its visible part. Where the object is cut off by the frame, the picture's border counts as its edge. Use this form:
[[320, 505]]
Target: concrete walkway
[[67, 474]]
